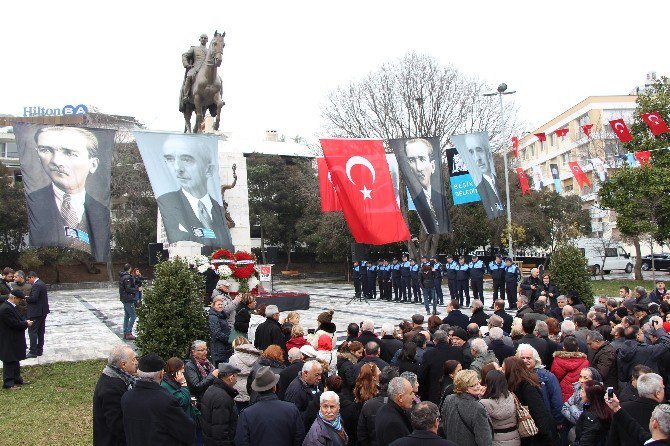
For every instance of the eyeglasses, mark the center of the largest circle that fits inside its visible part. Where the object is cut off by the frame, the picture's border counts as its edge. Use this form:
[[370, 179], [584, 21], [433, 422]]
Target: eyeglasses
[[204, 349]]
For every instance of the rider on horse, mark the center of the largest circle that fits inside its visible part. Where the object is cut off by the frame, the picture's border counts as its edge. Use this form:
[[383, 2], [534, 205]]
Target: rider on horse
[[192, 60]]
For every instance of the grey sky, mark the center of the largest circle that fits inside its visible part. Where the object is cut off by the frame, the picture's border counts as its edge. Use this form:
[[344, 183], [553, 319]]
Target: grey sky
[[282, 58]]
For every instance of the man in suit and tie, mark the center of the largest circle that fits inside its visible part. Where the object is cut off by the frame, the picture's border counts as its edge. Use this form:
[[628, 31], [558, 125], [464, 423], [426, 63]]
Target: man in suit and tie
[[12, 340], [487, 187], [428, 198], [192, 206], [69, 155], [38, 308]]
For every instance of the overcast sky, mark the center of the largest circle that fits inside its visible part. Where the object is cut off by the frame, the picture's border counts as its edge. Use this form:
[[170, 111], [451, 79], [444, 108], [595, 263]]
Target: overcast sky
[[283, 57]]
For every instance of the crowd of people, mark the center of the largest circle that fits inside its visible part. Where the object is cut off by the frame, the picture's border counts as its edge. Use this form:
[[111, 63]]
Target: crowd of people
[[553, 372]]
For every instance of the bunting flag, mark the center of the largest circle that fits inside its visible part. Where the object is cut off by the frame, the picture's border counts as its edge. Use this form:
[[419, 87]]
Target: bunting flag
[[523, 180], [632, 161], [587, 129], [644, 158], [579, 174], [541, 136], [329, 201], [621, 129], [360, 173], [515, 145], [561, 132], [656, 124], [555, 174]]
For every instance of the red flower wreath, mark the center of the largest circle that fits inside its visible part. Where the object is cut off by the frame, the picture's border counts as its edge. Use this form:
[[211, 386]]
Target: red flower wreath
[[246, 268], [224, 257]]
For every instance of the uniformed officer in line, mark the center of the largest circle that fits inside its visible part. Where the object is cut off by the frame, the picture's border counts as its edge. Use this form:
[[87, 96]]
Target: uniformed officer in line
[[450, 269], [364, 276], [477, 269], [497, 269], [424, 261], [385, 272], [380, 266], [395, 279], [405, 280], [437, 271], [357, 278], [372, 280], [414, 271], [462, 279], [512, 275]]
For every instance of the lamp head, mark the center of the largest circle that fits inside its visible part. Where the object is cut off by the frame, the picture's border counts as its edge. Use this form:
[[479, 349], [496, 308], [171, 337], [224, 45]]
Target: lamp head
[[502, 87]]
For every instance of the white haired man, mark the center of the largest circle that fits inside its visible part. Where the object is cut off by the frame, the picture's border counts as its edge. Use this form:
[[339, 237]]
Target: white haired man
[[651, 393], [390, 344], [327, 428], [482, 355]]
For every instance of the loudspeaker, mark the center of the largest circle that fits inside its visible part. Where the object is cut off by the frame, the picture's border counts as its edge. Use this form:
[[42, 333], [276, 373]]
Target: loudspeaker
[[359, 251], [157, 253], [207, 250]]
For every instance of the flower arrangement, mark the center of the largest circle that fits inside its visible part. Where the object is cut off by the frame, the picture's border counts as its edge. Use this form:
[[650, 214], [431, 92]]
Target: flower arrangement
[[238, 269], [244, 267]]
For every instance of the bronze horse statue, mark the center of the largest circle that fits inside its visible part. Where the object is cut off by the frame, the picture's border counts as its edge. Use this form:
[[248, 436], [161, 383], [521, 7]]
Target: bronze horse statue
[[205, 93]]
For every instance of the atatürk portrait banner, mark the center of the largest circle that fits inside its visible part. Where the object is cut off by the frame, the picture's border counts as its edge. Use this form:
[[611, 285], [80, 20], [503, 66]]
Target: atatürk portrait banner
[[66, 174], [184, 173], [420, 162]]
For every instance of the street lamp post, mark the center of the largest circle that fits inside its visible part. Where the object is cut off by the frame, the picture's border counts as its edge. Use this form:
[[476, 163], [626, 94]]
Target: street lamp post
[[502, 90]]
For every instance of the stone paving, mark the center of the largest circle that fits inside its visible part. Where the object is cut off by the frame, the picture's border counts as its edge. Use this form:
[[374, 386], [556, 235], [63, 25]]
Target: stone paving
[[85, 324]]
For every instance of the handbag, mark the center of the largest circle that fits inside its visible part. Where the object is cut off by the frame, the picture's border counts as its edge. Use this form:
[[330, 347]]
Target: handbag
[[527, 426]]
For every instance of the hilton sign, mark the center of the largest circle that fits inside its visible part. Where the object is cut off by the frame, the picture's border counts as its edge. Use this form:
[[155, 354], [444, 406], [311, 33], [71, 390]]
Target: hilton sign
[[68, 110]]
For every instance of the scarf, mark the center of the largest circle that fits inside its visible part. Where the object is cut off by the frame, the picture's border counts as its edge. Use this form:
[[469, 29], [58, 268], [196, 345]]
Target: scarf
[[204, 367], [335, 424], [115, 372]]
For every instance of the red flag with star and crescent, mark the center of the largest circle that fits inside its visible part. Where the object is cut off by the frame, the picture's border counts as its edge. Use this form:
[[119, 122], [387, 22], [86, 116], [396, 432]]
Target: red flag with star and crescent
[[523, 180], [542, 137], [579, 174], [329, 201], [361, 176], [644, 158], [656, 124], [561, 132], [621, 130], [587, 129]]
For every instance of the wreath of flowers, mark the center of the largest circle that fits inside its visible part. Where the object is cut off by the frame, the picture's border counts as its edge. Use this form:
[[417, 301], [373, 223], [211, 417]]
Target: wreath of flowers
[[224, 257], [245, 266]]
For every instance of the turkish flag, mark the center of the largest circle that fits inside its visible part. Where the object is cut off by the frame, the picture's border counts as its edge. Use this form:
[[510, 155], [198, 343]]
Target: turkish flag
[[515, 145], [579, 174], [644, 158], [361, 176], [621, 130], [329, 201], [656, 124], [562, 132], [587, 129], [523, 180], [541, 136]]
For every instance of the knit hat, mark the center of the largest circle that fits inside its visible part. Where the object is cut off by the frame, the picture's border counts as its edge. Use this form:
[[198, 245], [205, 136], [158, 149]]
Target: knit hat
[[622, 312], [18, 294], [326, 316], [150, 362], [460, 333]]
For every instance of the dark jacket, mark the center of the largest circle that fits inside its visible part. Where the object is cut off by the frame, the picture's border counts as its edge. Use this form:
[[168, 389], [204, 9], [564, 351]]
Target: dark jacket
[[287, 376], [432, 369], [528, 291], [524, 310], [269, 333], [508, 319], [345, 369], [219, 332], [604, 359], [270, 421], [38, 300], [479, 317], [127, 288], [622, 420], [427, 279], [366, 421], [107, 413], [456, 319], [538, 344], [197, 384], [501, 350], [364, 360], [242, 319], [322, 434], [531, 396], [275, 366], [408, 365], [218, 414], [640, 410], [633, 353], [421, 438], [4, 290], [12, 333], [590, 430], [300, 393], [367, 336], [390, 345], [151, 416], [392, 422]]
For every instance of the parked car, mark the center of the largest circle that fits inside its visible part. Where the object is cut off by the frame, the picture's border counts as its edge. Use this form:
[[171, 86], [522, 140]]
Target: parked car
[[661, 261]]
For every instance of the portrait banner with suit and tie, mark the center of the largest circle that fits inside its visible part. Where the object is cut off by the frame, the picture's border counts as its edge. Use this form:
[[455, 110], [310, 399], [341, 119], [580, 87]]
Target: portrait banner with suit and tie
[[184, 173], [420, 162], [475, 152], [66, 175]]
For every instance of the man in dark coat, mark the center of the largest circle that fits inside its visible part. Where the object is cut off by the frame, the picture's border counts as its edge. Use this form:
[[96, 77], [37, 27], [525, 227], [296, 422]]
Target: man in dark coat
[[372, 352], [305, 387], [425, 419], [269, 421], [270, 332], [392, 420], [602, 356], [368, 333], [286, 376], [390, 345], [219, 413], [497, 345], [532, 286], [12, 340], [508, 319], [539, 344], [366, 421], [454, 317], [660, 434], [116, 379], [432, 366], [151, 416], [38, 308]]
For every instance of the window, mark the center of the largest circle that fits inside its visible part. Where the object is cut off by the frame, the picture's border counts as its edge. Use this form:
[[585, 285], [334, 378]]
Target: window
[[552, 139], [583, 120], [566, 157], [12, 152], [611, 252], [622, 252]]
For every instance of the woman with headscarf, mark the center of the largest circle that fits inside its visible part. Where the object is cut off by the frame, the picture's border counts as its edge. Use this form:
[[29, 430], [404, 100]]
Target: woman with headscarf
[[326, 354], [574, 406]]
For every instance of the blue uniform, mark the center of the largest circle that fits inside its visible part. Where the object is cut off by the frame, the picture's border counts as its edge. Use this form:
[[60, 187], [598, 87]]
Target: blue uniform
[[372, 281], [364, 276], [451, 268], [414, 271], [477, 270], [498, 275], [462, 277], [405, 282], [385, 282], [437, 269], [511, 280], [395, 280], [357, 280]]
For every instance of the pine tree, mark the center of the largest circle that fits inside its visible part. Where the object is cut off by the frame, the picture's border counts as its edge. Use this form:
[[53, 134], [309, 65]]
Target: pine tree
[[171, 316], [569, 272]]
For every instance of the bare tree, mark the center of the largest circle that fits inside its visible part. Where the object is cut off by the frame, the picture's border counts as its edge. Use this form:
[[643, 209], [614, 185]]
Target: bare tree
[[417, 96]]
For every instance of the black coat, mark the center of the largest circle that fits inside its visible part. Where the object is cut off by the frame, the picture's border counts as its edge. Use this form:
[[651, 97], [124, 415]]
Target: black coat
[[622, 420], [345, 369], [107, 413], [219, 414], [366, 420], [479, 317], [127, 287], [197, 384], [242, 319], [640, 410], [421, 438], [270, 422], [508, 319], [501, 350], [590, 430], [269, 333], [12, 333], [219, 332], [392, 422], [151, 416], [531, 396], [287, 376], [456, 319], [364, 360], [390, 345], [405, 365], [366, 337], [38, 300], [432, 369]]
